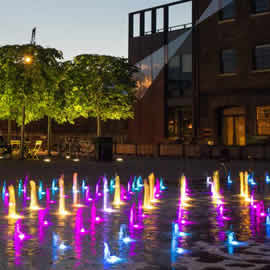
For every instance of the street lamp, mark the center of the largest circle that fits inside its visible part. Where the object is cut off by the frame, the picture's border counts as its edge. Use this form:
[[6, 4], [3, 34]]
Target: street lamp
[[28, 59]]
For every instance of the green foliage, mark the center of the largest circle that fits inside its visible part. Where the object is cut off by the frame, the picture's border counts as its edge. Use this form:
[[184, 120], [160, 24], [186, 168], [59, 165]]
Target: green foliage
[[102, 87], [27, 84]]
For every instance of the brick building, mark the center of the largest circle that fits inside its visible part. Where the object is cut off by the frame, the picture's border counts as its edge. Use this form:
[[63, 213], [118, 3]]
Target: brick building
[[206, 80]]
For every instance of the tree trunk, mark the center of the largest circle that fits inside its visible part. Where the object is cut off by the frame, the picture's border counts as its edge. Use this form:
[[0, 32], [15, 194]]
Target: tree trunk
[[22, 133], [9, 131], [49, 135], [98, 126]]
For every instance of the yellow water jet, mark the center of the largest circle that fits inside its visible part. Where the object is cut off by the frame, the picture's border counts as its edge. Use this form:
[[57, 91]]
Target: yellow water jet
[[12, 204], [75, 190], [247, 198], [242, 191], [146, 201], [151, 178], [62, 211], [33, 196], [117, 192], [216, 183]]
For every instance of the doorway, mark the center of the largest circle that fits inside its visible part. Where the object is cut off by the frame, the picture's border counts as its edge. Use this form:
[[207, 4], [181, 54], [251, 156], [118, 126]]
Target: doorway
[[234, 126]]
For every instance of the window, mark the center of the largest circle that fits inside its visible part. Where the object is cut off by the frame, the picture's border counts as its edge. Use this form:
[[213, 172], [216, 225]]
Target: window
[[234, 126], [180, 75], [228, 61], [227, 9], [259, 6], [180, 122], [263, 120], [262, 57]]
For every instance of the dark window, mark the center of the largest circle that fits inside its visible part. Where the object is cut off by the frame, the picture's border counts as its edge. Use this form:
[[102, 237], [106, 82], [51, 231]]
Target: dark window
[[262, 57], [228, 61], [227, 9], [180, 75], [259, 6]]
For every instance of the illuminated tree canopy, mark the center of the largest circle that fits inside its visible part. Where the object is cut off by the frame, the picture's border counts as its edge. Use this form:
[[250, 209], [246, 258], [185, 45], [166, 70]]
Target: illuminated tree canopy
[[104, 87]]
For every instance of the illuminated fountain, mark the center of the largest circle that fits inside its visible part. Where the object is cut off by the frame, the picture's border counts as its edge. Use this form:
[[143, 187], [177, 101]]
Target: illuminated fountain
[[229, 179], [105, 195], [84, 187], [4, 188], [267, 220], [157, 189], [246, 187], [18, 234], [176, 232], [151, 178], [117, 192], [242, 191], [232, 241], [123, 235], [216, 185], [41, 192], [208, 181], [183, 191], [75, 190], [139, 183], [20, 188], [12, 204], [108, 257], [267, 178], [33, 196], [146, 201], [54, 186], [162, 186], [112, 185], [62, 211]]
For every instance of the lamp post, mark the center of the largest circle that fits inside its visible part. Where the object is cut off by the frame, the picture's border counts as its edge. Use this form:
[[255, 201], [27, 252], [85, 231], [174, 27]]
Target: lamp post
[[27, 60]]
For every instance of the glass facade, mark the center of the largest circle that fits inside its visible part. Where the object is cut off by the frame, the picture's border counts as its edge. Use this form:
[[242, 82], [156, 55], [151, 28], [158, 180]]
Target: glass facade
[[263, 120], [227, 9], [150, 67], [262, 57], [180, 85], [259, 6], [180, 75], [228, 61]]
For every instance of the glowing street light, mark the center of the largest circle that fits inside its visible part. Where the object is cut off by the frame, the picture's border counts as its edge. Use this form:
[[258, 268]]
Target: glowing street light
[[28, 59]]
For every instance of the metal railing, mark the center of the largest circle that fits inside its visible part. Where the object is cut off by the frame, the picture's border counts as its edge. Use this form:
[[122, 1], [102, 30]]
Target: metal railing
[[172, 28]]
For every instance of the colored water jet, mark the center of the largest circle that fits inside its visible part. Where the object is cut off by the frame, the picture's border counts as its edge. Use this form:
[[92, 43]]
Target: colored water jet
[[146, 201], [216, 185], [62, 210], [33, 196], [229, 179], [151, 178], [4, 188], [123, 234], [117, 192], [12, 204], [267, 178], [105, 195], [108, 257], [75, 189]]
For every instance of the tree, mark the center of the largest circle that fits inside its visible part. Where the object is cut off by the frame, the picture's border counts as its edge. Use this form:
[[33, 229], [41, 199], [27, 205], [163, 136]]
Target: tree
[[27, 72], [58, 102], [104, 87]]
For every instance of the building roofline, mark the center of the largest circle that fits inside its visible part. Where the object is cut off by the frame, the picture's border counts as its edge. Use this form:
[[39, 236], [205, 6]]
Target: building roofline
[[161, 6]]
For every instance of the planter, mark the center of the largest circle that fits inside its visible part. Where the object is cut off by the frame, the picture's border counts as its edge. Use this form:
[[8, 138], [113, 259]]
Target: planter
[[103, 148]]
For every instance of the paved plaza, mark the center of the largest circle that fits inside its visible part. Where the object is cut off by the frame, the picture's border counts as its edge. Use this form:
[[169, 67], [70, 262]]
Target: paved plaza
[[169, 169]]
